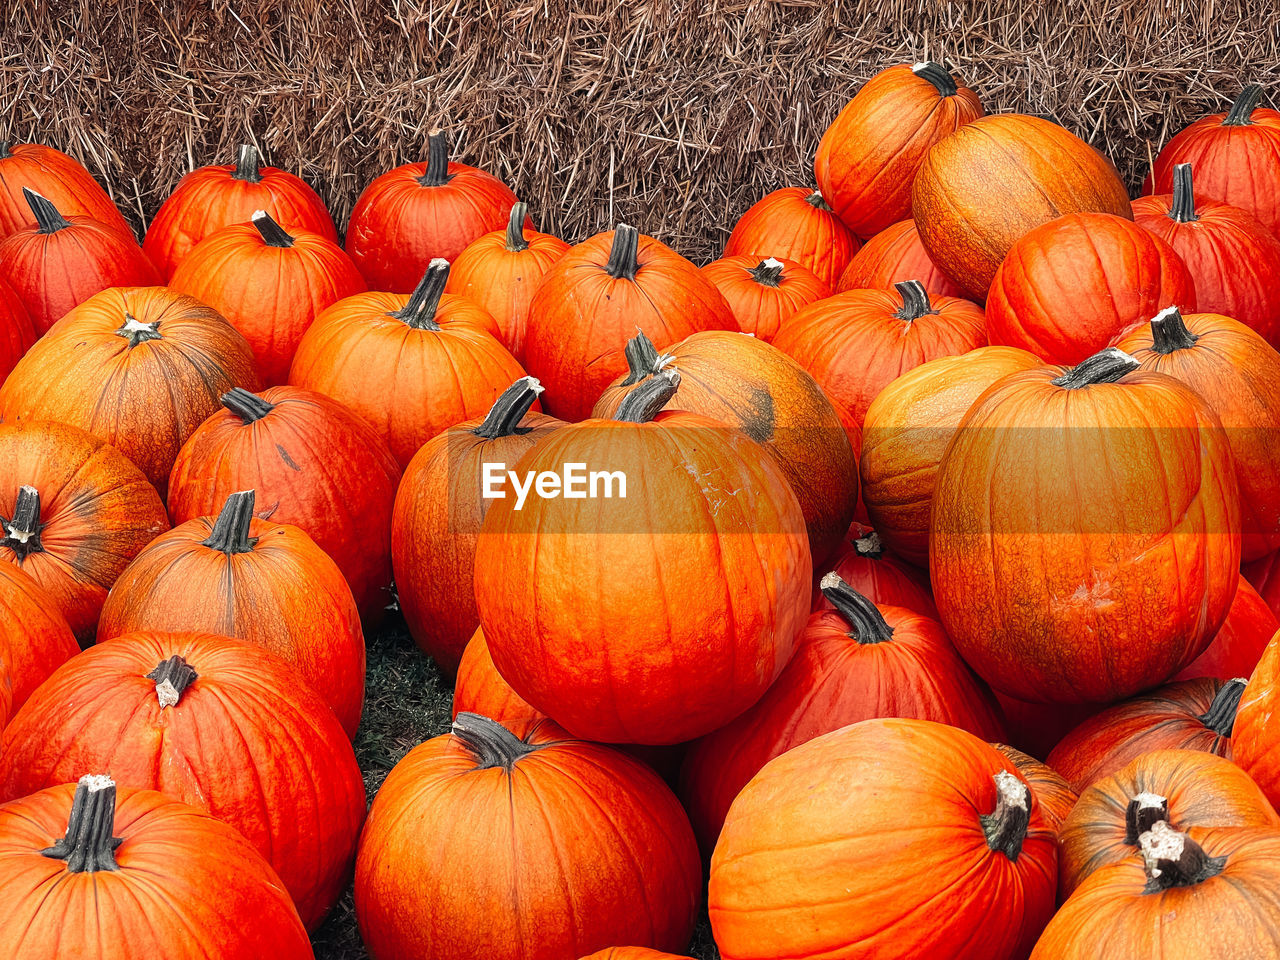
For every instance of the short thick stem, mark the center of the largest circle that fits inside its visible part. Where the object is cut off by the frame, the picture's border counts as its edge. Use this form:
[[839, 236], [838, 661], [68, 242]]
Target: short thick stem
[[817, 201], [172, 677], [231, 530], [48, 219], [1183, 207], [437, 174], [869, 545], [88, 845], [273, 235], [492, 744], [624, 253], [249, 407], [1173, 859], [22, 531], [6, 148], [642, 359], [938, 75], [420, 310], [915, 300], [515, 227], [1106, 366], [646, 401], [1241, 112], [868, 623], [1142, 813], [1006, 826], [247, 168], [1169, 332], [503, 419], [136, 332], [767, 273], [1221, 715]]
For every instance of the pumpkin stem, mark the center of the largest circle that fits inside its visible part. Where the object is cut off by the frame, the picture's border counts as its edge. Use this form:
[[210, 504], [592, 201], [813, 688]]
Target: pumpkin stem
[[88, 845], [623, 262], [1221, 715], [515, 227], [1173, 859], [231, 529], [492, 743], [249, 407], [172, 678], [136, 332], [48, 219], [767, 273], [503, 419], [869, 545], [247, 166], [1141, 815], [1106, 366], [644, 402], [642, 358], [868, 623], [273, 235], [938, 75], [1183, 207], [1241, 112], [1006, 826], [22, 532], [437, 172], [420, 310], [6, 148], [915, 300], [1169, 332], [817, 201]]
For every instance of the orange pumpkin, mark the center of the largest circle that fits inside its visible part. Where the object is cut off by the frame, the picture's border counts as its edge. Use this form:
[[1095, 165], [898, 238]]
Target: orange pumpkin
[[1239, 643], [480, 688], [35, 639], [1038, 727], [795, 223], [1054, 795], [879, 576], [61, 179], [763, 294], [1253, 741], [16, 332], [895, 255]]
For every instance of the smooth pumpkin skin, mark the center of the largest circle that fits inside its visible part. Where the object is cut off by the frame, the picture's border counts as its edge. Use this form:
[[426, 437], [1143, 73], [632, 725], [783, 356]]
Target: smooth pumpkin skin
[[894, 255], [1240, 642], [995, 179], [143, 399], [1047, 578], [314, 464], [248, 741], [795, 223], [879, 576], [97, 512], [906, 431], [1202, 790], [35, 639], [58, 178], [1074, 285], [1038, 727], [271, 294], [762, 307], [578, 842], [16, 331], [1263, 575], [1253, 740], [867, 843], [1055, 796], [188, 887], [1235, 370], [869, 155]]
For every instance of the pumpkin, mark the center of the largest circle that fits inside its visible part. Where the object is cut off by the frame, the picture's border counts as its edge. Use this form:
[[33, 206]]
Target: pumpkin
[[879, 576], [1187, 715], [1186, 788], [1254, 737], [137, 874], [61, 262], [1263, 575], [481, 689], [996, 179], [220, 724], [1053, 794], [267, 583], [501, 270], [596, 297], [764, 293], [869, 155], [140, 367], [888, 838], [795, 223], [855, 344], [536, 832], [213, 197], [744, 382], [895, 255], [35, 639], [61, 179], [1234, 370], [439, 509], [1236, 156], [1233, 259], [73, 512], [16, 332], [664, 614], [906, 431], [1238, 645], [1068, 500], [1208, 893], [856, 662], [634, 953], [1074, 285], [1038, 727], [412, 366], [421, 212], [269, 283]]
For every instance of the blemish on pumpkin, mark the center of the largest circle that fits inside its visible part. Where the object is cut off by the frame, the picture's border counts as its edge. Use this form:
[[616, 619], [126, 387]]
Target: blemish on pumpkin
[[284, 455]]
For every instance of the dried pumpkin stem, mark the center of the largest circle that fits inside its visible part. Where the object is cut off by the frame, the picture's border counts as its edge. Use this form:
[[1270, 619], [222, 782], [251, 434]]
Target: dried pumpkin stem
[[1141, 814], [938, 75], [88, 845], [1221, 715], [22, 531], [915, 300], [273, 235], [515, 227], [1183, 207], [1241, 112], [48, 219], [642, 359], [172, 677], [247, 168], [249, 407], [1006, 826], [1106, 366], [1169, 332], [231, 530], [492, 743], [817, 201], [869, 545], [767, 273], [503, 419], [868, 623], [420, 310], [136, 332], [624, 253], [437, 173], [645, 402], [1173, 859]]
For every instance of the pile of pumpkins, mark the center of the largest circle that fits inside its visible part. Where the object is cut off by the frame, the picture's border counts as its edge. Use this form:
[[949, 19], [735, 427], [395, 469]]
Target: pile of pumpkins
[[960, 461]]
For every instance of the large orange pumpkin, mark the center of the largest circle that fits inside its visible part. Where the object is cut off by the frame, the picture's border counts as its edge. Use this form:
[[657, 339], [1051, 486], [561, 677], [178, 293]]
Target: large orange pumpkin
[[1253, 741], [35, 639], [888, 838], [140, 367], [1239, 643], [267, 583], [61, 179], [561, 846], [895, 255], [220, 724], [869, 155], [1054, 795], [882, 578], [1067, 500], [795, 223], [16, 332], [996, 179], [73, 513], [764, 293]]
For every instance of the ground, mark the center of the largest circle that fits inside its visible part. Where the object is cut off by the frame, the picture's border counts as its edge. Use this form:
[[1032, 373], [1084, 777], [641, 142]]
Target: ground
[[406, 702]]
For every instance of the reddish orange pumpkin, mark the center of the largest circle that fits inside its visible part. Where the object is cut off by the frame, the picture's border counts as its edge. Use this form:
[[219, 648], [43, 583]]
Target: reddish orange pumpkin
[[1253, 741], [73, 513], [795, 223], [269, 283], [1078, 283], [420, 212], [1038, 727], [220, 724], [892, 256], [634, 953], [536, 832], [1263, 575], [856, 662], [140, 367], [481, 689], [314, 464], [501, 270], [886, 838], [879, 576], [35, 639], [1054, 795], [56, 176], [870, 154], [16, 331], [60, 262], [764, 294], [267, 583], [1239, 643], [210, 198]]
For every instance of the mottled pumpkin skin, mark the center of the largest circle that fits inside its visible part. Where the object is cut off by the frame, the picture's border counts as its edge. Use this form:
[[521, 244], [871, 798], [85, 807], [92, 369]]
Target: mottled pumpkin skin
[[97, 512], [997, 178], [246, 740], [795, 223], [1254, 736], [58, 178], [762, 308], [1055, 796], [895, 255], [35, 639]]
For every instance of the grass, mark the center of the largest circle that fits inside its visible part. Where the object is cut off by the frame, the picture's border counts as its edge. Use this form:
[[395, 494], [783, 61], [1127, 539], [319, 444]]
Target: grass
[[407, 701]]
